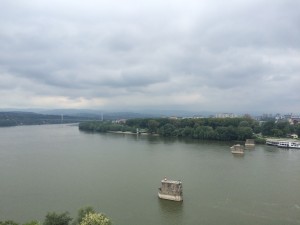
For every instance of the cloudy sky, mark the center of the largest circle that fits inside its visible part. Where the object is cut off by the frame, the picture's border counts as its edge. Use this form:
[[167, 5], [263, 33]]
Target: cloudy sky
[[198, 55]]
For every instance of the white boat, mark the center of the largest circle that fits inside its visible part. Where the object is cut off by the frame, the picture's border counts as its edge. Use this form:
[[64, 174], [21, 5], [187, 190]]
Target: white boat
[[288, 144], [273, 142], [283, 143], [294, 145]]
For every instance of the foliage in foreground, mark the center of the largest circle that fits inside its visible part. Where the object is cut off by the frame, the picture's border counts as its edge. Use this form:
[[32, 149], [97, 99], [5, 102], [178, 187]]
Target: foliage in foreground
[[82, 213], [57, 219], [95, 219], [86, 216]]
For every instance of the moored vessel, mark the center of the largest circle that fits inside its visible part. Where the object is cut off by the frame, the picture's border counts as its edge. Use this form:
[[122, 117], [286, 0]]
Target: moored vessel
[[289, 144], [281, 143]]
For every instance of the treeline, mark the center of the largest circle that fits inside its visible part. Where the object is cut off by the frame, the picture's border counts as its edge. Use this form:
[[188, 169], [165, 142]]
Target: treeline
[[222, 129], [27, 118], [279, 129], [86, 216], [105, 126], [227, 129]]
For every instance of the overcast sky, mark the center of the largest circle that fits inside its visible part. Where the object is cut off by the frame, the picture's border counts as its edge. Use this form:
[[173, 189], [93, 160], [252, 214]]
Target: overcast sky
[[198, 55]]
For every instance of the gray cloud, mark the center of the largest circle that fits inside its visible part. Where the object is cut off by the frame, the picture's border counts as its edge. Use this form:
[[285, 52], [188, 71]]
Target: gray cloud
[[198, 55]]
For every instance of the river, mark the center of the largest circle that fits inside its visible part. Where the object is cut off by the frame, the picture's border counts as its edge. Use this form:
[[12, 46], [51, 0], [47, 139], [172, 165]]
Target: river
[[59, 168]]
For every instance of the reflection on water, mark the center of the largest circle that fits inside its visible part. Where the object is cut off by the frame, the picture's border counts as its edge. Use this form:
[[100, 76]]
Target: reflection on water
[[171, 211], [252, 148], [170, 207], [239, 156], [271, 149]]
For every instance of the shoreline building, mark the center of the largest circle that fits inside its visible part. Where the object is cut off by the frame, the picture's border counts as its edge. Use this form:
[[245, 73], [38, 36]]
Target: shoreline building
[[226, 115]]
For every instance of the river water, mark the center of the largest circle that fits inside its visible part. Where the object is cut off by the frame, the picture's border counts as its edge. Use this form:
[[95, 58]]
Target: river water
[[59, 168]]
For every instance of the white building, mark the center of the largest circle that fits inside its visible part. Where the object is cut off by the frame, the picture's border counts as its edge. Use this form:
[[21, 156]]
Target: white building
[[226, 115]]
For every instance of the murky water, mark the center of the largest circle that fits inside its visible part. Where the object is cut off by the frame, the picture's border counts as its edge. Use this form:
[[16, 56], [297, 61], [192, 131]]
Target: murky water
[[58, 168]]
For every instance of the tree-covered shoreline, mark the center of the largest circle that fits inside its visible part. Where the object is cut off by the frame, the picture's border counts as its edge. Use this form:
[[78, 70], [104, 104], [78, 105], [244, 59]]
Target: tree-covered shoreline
[[219, 129], [227, 129]]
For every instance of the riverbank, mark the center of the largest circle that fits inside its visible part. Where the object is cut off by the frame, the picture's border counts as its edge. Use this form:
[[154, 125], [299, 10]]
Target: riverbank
[[131, 133], [227, 129]]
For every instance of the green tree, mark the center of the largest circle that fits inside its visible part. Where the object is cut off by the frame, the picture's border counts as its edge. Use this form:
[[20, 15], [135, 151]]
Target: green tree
[[204, 133], [226, 133], [167, 130], [95, 219], [152, 126], [266, 128], [244, 133], [57, 219], [256, 129], [8, 222], [187, 132], [83, 212], [277, 133], [284, 127], [244, 124], [33, 222], [297, 129]]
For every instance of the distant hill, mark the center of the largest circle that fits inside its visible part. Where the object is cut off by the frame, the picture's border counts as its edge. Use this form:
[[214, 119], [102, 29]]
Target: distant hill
[[30, 118], [13, 117], [89, 112], [98, 115], [153, 113]]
